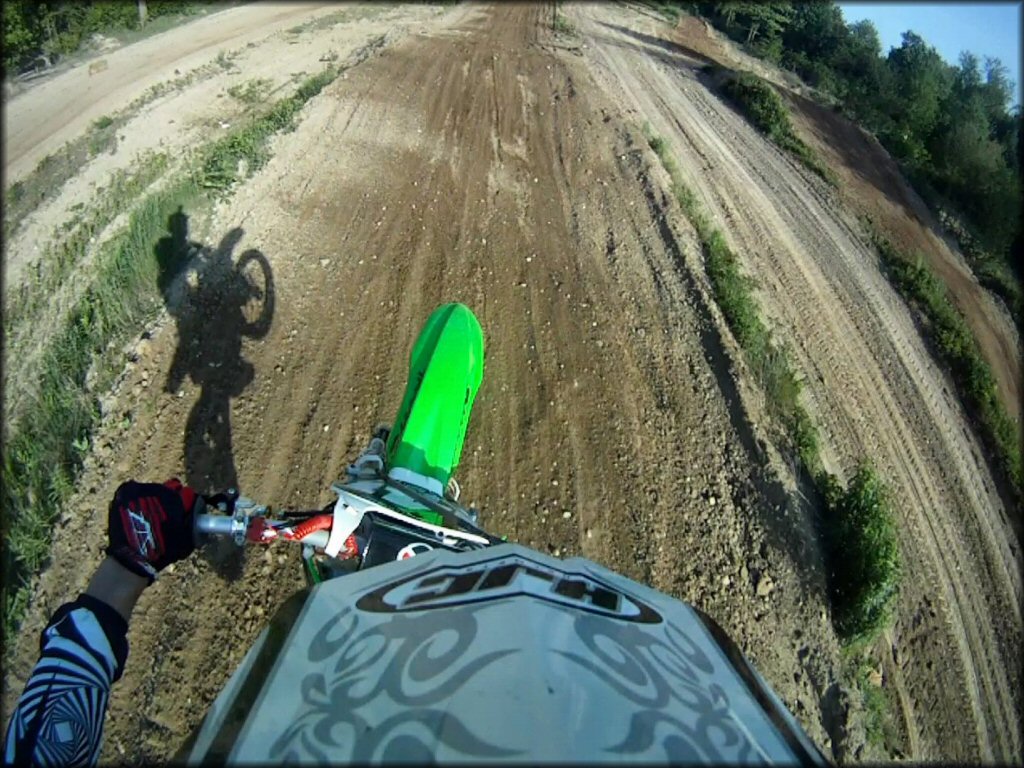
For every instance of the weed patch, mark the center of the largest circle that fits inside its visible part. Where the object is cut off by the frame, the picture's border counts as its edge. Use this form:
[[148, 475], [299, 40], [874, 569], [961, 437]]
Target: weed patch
[[863, 675], [337, 17], [251, 92], [562, 25], [861, 537], [734, 293], [865, 562], [948, 333], [764, 108], [245, 150]]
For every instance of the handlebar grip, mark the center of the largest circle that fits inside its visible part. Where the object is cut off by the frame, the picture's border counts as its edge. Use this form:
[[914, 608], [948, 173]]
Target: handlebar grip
[[215, 525]]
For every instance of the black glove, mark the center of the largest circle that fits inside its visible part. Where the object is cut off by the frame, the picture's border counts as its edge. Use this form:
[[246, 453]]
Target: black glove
[[150, 525]]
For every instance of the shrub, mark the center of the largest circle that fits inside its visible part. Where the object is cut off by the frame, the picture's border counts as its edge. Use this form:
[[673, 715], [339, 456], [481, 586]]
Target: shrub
[[767, 112], [760, 102], [864, 554]]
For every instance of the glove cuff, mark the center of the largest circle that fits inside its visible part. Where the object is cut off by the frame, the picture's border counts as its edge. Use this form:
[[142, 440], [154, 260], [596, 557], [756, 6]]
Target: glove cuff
[[123, 556]]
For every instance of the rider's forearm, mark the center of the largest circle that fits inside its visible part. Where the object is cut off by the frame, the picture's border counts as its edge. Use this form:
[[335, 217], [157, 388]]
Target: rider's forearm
[[59, 717], [116, 586]]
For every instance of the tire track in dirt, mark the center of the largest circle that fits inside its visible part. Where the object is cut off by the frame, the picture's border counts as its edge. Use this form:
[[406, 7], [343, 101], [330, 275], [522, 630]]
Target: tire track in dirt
[[469, 162], [871, 385], [47, 115]]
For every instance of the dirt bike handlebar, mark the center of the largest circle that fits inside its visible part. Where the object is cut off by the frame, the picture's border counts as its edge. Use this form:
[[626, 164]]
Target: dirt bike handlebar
[[251, 529], [245, 521]]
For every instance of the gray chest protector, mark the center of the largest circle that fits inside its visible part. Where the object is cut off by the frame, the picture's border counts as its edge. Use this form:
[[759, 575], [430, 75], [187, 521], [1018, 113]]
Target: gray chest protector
[[498, 655]]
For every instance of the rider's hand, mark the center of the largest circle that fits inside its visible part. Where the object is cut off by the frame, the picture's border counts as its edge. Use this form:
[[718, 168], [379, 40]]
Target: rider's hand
[[150, 525]]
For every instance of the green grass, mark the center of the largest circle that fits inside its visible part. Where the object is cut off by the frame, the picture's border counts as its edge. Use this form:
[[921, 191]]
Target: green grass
[[949, 335], [251, 92], [43, 457], [49, 271], [862, 542], [764, 108], [861, 537], [562, 25]]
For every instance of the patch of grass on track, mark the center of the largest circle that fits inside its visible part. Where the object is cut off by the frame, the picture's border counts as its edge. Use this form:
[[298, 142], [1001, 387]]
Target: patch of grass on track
[[251, 92], [859, 529], [562, 25], [44, 455]]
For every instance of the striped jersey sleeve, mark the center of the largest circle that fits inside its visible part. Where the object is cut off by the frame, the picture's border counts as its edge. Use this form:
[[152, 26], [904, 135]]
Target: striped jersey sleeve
[[59, 717]]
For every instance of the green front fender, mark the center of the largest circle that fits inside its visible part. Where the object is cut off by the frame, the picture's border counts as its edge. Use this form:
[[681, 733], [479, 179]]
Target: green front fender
[[446, 367]]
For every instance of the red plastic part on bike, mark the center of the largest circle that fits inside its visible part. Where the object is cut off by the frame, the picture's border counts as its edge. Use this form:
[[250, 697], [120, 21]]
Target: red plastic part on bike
[[259, 532], [306, 527]]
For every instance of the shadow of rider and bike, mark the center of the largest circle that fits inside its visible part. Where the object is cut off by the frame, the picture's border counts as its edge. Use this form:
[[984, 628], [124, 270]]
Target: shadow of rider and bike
[[216, 303]]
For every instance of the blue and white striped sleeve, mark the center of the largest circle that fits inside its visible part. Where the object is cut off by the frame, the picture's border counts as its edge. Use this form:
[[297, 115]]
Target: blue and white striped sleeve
[[59, 717]]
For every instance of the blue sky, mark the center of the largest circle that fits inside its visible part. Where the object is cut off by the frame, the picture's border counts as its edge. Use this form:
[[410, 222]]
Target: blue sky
[[984, 29]]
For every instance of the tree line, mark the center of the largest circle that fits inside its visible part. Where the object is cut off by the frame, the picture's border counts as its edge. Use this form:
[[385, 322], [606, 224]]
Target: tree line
[[950, 126], [33, 29]]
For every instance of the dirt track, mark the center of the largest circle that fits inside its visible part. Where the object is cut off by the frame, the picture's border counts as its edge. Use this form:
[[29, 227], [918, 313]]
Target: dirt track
[[871, 384], [51, 113], [477, 161]]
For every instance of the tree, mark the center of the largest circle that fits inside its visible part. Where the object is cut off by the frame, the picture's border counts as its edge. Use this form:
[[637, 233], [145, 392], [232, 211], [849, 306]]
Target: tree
[[997, 91], [817, 29], [21, 33], [766, 19], [756, 18], [923, 80]]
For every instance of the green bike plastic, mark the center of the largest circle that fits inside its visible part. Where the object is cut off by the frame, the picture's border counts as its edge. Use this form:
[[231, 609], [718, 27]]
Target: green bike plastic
[[446, 367]]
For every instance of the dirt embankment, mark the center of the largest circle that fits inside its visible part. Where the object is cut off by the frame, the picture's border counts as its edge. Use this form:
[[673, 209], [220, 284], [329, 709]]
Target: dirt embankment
[[871, 384], [473, 162], [871, 184]]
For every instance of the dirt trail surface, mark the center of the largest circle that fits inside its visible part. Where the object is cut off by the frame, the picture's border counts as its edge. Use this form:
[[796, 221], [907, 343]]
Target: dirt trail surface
[[871, 385], [871, 183], [196, 109], [466, 162], [41, 119], [480, 159]]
